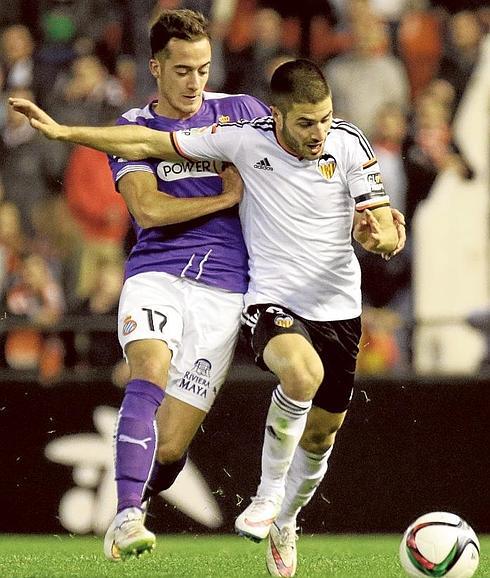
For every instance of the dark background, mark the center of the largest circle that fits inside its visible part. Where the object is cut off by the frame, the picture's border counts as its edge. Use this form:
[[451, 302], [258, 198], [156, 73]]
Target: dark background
[[407, 447]]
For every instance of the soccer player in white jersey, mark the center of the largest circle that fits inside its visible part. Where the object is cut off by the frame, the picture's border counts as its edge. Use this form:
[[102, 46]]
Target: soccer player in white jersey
[[310, 181]]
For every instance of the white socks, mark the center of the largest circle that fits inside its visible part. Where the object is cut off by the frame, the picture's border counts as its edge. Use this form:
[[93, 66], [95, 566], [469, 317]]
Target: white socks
[[305, 475], [285, 424]]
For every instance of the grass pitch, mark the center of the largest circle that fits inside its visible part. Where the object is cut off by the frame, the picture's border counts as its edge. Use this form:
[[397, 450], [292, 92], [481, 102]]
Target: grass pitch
[[187, 556]]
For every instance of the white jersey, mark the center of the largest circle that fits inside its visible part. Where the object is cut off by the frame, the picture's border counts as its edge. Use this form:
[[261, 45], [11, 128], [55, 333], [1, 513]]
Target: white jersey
[[297, 214]]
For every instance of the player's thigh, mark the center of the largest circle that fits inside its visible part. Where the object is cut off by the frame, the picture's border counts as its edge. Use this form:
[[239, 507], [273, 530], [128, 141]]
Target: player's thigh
[[296, 363], [321, 428], [149, 359], [338, 346], [150, 324], [282, 344], [177, 424], [211, 330]]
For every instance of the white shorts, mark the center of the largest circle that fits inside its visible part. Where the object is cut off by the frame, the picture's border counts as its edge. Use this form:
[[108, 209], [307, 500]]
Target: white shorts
[[199, 323]]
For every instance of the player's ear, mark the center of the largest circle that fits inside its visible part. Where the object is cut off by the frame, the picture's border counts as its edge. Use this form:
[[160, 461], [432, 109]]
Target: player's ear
[[276, 115], [155, 68]]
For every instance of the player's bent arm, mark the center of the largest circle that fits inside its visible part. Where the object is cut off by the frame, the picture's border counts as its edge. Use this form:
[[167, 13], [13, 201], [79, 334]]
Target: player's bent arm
[[375, 230], [153, 208]]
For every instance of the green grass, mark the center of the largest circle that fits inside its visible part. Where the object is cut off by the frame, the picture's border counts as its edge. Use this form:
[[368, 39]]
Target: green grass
[[187, 556]]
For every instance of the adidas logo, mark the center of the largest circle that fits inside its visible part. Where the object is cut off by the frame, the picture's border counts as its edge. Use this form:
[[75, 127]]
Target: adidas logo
[[263, 164]]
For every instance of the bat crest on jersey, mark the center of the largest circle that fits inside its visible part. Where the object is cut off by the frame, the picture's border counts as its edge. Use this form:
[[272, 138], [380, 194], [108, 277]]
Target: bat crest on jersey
[[284, 321], [327, 165]]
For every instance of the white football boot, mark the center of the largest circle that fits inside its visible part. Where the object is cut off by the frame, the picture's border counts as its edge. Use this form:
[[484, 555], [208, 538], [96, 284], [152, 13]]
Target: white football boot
[[127, 536], [256, 520], [281, 555]]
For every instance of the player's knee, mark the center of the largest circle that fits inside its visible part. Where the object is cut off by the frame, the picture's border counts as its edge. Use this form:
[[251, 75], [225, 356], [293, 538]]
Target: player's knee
[[148, 366], [300, 381], [318, 441], [169, 453], [148, 359], [150, 370]]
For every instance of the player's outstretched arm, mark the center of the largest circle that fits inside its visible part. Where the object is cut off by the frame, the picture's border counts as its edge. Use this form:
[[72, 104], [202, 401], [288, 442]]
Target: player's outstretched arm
[[129, 141], [376, 231]]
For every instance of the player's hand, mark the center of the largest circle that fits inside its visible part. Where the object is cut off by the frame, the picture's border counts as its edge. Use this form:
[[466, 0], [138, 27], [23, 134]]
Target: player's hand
[[232, 184], [399, 220], [367, 231], [38, 119]]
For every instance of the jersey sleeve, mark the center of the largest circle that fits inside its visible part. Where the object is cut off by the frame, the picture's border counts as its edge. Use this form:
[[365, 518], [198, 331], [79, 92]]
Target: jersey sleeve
[[219, 142], [121, 167], [253, 107], [363, 173]]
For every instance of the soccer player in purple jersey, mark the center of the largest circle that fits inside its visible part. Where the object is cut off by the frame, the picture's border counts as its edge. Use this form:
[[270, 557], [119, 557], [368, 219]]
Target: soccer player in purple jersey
[[179, 311], [185, 277]]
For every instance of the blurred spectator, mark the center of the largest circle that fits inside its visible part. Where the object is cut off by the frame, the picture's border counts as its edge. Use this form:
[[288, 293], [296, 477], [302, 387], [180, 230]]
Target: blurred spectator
[[58, 239], [31, 166], [389, 134], [12, 242], [99, 348], [387, 284], [87, 18], [99, 212], [126, 76], [248, 68], [35, 295], [88, 94], [308, 27], [17, 47], [391, 11], [378, 349], [429, 149], [55, 53], [465, 36], [443, 92], [368, 77], [420, 46], [139, 14], [327, 39]]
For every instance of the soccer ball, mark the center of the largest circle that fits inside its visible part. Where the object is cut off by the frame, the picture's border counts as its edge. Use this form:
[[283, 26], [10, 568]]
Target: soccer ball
[[440, 544]]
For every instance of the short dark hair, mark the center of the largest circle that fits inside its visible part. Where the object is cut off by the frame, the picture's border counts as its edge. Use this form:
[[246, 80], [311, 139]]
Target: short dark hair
[[182, 24], [298, 81]]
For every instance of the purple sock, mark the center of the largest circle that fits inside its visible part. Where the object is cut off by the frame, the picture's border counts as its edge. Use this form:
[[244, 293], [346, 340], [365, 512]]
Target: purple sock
[[163, 476], [136, 441]]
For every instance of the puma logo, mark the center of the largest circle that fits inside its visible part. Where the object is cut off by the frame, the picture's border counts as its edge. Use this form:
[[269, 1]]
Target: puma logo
[[143, 443]]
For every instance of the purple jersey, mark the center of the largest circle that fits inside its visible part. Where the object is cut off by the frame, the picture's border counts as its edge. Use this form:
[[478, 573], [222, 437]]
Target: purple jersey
[[209, 249]]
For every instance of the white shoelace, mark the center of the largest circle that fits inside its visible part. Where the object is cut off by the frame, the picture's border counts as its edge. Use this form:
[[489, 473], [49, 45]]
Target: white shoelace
[[288, 536], [259, 501]]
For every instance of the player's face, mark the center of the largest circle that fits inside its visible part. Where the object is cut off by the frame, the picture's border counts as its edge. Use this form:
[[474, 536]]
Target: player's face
[[303, 130], [181, 76]]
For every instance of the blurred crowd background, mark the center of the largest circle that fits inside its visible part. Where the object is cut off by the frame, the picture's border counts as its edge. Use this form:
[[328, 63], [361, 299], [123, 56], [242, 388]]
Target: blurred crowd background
[[398, 69]]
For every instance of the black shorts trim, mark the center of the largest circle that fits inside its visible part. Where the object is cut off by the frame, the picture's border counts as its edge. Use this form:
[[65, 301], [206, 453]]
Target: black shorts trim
[[336, 342]]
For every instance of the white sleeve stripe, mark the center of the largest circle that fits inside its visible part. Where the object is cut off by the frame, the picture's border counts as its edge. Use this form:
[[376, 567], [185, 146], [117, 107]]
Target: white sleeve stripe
[[133, 169]]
